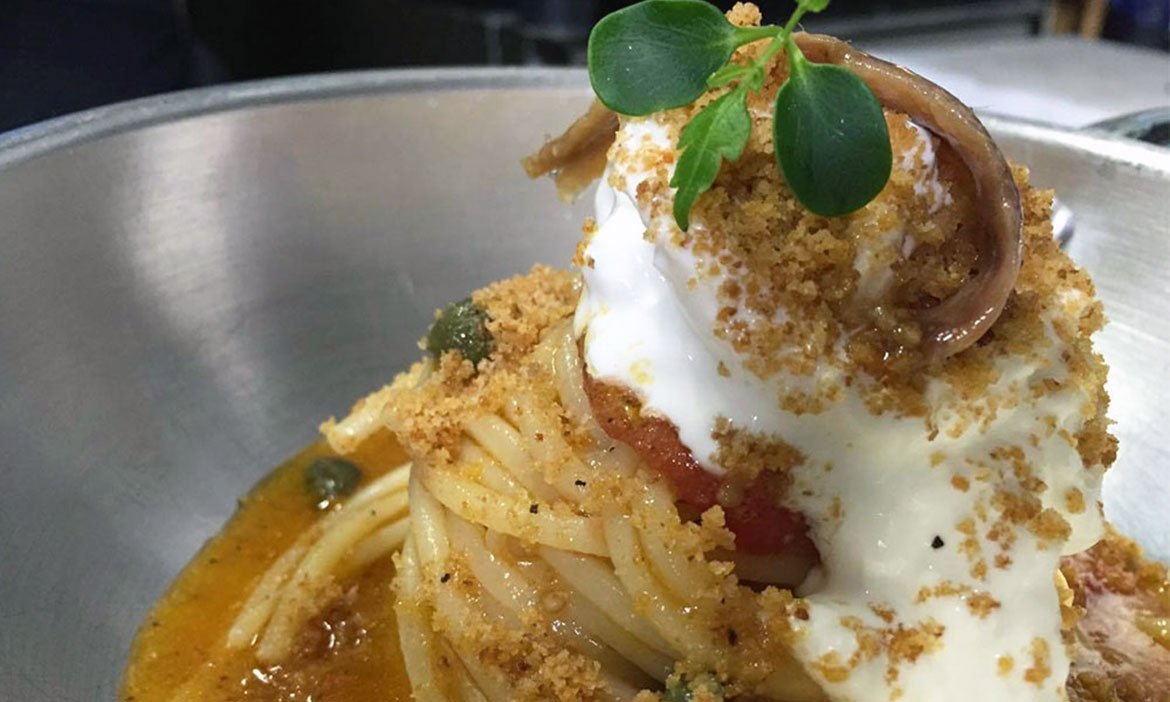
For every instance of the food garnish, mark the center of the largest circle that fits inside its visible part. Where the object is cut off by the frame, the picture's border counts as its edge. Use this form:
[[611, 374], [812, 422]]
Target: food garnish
[[329, 478], [462, 327], [830, 136]]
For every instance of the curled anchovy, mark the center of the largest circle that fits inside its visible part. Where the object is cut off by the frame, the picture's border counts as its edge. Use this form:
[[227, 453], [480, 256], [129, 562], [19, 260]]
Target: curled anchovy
[[576, 158], [958, 321]]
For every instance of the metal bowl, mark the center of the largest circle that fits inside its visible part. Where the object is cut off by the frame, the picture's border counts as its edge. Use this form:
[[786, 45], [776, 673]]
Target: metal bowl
[[189, 284]]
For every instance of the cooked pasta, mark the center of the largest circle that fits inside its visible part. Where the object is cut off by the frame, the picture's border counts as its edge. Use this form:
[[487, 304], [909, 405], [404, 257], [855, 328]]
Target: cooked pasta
[[610, 581], [772, 456]]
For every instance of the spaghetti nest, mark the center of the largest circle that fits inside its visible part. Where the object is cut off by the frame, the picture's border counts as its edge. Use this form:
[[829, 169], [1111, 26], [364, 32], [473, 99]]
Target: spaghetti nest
[[539, 559], [544, 561]]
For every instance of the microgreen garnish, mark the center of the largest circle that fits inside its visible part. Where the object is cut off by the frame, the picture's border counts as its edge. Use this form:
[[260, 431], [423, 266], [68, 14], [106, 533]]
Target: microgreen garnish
[[829, 134]]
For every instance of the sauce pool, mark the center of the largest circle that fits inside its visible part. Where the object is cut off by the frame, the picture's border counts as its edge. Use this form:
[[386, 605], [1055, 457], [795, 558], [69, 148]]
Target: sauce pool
[[350, 652]]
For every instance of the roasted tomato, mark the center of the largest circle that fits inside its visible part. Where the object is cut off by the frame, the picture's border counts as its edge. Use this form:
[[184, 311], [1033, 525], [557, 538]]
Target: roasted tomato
[[754, 513]]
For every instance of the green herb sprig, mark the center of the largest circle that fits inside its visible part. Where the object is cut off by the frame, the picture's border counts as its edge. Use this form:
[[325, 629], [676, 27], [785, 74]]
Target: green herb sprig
[[829, 133]]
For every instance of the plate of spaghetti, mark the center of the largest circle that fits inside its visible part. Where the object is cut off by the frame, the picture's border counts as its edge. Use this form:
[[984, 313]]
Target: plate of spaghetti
[[814, 412]]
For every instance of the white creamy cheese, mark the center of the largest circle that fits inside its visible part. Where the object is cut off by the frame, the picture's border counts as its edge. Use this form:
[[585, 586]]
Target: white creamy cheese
[[876, 490]]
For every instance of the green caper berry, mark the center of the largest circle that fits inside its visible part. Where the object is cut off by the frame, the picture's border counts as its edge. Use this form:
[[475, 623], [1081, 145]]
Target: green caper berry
[[328, 478], [462, 327], [680, 689]]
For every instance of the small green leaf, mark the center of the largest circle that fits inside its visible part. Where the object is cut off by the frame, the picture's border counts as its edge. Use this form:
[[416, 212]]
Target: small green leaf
[[831, 139], [718, 132], [657, 54], [812, 5]]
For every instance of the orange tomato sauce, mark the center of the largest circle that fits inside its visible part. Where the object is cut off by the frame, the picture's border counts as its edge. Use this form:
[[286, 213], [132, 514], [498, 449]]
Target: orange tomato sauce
[[348, 653]]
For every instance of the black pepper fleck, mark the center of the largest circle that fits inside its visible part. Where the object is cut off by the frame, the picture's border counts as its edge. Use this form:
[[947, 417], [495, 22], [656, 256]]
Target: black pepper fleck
[[445, 578], [533, 508], [937, 543], [579, 483], [732, 637]]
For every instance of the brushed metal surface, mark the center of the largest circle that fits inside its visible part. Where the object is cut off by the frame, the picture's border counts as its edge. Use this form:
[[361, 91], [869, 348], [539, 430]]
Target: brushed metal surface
[[188, 285]]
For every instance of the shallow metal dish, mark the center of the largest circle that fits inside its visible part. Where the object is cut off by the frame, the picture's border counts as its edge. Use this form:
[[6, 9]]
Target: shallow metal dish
[[189, 284]]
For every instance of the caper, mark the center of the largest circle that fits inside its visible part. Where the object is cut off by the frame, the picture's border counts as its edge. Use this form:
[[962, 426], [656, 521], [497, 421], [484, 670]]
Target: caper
[[679, 689], [328, 478], [462, 327]]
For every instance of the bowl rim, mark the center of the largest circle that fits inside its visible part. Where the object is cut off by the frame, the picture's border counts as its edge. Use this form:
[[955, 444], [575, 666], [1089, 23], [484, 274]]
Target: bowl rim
[[41, 138]]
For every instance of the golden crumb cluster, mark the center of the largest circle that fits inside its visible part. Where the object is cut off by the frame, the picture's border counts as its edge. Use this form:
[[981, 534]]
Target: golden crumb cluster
[[520, 309], [428, 417]]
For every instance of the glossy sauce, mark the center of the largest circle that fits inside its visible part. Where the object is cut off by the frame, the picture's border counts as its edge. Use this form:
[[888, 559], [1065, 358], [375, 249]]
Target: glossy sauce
[[349, 653]]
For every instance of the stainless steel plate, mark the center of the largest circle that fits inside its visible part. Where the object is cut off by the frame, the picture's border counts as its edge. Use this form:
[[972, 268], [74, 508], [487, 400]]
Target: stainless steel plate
[[189, 284]]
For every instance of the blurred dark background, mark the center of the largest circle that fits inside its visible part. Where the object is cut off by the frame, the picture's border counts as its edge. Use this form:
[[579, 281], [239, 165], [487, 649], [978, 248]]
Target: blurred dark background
[[59, 56]]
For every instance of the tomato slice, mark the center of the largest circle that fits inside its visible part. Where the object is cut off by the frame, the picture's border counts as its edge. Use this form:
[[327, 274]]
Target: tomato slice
[[760, 524]]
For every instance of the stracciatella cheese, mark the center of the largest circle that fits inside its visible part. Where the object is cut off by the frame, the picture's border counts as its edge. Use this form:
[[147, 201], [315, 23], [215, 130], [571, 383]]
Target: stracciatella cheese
[[926, 590]]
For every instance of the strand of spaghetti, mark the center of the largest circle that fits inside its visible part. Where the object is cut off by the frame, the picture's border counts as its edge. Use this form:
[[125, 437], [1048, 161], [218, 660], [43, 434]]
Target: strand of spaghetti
[[789, 683], [580, 635], [661, 610], [518, 517], [455, 619], [653, 664], [465, 687], [490, 473], [618, 690], [453, 612], [542, 355], [505, 584], [502, 440], [489, 682], [362, 421], [379, 544], [617, 459], [546, 444], [333, 545], [257, 609], [567, 376], [568, 372], [783, 570], [415, 635], [419, 635], [584, 627], [594, 579], [394, 480], [433, 542], [683, 575], [429, 528], [511, 588], [301, 599], [499, 542]]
